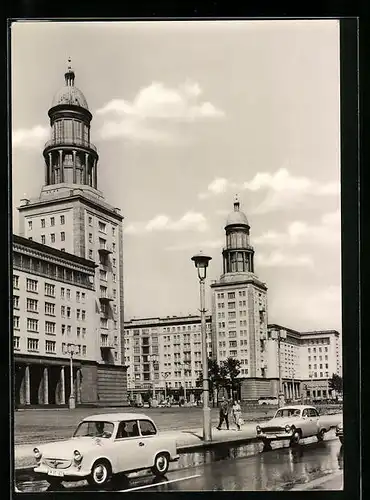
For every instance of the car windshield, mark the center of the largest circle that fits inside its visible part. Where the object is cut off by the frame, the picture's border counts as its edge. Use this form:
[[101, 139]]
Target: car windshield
[[94, 429], [287, 412]]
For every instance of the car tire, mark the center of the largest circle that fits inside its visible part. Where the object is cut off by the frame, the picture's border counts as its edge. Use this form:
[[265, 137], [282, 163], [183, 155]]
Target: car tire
[[161, 464], [101, 472], [320, 435], [294, 440]]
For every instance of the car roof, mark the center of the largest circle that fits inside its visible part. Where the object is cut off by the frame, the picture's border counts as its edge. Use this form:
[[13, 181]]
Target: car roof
[[116, 417], [296, 407]]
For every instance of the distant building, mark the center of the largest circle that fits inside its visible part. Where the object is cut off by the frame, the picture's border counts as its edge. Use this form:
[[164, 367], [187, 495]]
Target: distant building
[[72, 215], [175, 342], [239, 302]]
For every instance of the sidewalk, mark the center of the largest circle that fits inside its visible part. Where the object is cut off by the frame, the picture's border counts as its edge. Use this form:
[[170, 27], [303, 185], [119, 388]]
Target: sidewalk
[[186, 441], [333, 481]]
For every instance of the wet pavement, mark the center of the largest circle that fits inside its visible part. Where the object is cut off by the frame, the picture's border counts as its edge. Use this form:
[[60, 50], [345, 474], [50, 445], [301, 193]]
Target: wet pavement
[[236, 468]]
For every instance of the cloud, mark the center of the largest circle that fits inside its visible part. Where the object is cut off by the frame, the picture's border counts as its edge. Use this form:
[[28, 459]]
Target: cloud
[[327, 231], [279, 259], [195, 246], [154, 108], [190, 221], [284, 190], [30, 138]]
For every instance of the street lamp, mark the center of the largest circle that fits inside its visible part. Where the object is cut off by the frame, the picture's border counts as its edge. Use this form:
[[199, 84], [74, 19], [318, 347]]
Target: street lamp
[[165, 375], [71, 349], [154, 359], [201, 263], [279, 335]]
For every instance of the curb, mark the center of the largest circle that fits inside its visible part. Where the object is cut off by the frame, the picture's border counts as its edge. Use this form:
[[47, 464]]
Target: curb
[[317, 482]]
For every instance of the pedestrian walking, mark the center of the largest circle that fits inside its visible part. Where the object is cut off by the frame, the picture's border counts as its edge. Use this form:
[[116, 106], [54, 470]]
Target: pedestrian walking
[[224, 414], [237, 414]]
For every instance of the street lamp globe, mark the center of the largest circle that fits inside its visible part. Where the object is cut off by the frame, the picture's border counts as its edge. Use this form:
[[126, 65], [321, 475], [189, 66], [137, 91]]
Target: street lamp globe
[[201, 263]]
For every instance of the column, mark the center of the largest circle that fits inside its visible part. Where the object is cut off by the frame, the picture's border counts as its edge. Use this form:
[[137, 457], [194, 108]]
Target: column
[[50, 169], [78, 386], [46, 386], [46, 172], [61, 169], [74, 167], [95, 173], [62, 387], [86, 173], [27, 384]]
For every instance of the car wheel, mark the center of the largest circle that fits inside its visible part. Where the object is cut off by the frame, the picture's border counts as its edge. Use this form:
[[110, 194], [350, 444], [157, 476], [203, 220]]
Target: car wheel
[[101, 472], [320, 435], [161, 464], [294, 440], [266, 444]]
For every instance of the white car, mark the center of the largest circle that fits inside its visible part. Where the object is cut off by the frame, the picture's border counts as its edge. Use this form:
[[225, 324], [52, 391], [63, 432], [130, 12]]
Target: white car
[[293, 422], [104, 445]]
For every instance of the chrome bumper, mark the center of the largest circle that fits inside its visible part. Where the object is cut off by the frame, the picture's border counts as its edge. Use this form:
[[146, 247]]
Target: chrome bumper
[[69, 473]]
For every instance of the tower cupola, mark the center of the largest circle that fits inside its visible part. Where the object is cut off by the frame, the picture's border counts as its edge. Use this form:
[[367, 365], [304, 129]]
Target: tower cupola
[[70, 157]]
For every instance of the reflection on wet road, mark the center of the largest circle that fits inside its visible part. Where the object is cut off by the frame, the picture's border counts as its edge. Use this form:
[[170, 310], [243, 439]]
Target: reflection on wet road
[[240, 468]]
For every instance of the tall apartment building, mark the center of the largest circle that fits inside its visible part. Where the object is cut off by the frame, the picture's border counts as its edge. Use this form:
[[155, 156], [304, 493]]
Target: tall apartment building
[[53, 308], [239, 302], [175, 342], [72, 215]]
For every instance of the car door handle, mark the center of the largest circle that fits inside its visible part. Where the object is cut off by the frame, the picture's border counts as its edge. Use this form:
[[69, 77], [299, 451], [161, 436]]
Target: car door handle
[[141, 443]]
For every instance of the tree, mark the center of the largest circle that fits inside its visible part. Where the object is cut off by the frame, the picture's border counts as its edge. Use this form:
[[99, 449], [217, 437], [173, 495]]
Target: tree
[[229, 370], [214, 378], [336, 383]]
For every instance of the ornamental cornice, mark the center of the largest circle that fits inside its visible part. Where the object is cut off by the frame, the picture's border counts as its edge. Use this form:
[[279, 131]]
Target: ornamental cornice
[[52, 258]]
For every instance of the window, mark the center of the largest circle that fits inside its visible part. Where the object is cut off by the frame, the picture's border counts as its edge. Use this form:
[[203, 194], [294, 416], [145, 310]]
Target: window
[[90, 221], [31, 285], [68, 294], [128, 428], [83, 315], [68, 329], [15, 301], [114, 293], [62, 236], [52, 221], [32, 344], [90, 238], [15, 281], [32, 325], [16, 342], [113, 231], [147, 428], [78, 313], [102, 227], [49, 290], [50, 327], [103, 274], [114, 277], [104, 322], [68, 312], [231, 305], [113, 247], [90, 254], [29, 224], [114, 262], [50, 346], [83, 350], [42, 223], [49, 308], [62, 219], [52, 238], [16, 322], [231, 295], [43, 239], [78, 331], [32, 305]]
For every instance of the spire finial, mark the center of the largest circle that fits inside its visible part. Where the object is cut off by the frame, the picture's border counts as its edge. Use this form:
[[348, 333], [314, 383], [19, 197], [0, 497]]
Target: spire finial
[[236, 203], [69, 75]]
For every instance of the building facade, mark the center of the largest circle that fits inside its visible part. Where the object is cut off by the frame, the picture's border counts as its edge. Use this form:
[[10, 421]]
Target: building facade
[[239, 302], [165, 353], [72, 215]]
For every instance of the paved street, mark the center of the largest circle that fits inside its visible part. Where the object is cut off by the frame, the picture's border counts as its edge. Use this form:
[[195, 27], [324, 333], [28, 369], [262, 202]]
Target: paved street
[[246, 468]]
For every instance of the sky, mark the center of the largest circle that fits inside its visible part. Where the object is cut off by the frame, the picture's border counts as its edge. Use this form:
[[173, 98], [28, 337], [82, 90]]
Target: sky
[[186, 115]]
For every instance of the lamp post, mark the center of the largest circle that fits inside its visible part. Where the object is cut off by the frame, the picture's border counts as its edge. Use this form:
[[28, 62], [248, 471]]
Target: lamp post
[[201, 263], [154, 359], [165, 375], [183, 366], [279, 335], [72, 400]]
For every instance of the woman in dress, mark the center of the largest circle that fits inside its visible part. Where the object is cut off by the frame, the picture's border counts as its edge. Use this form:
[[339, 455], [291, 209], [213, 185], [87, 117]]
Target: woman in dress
[[237, 414]]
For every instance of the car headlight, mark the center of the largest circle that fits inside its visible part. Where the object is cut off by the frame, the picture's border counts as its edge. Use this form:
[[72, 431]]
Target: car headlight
[[258, 429], [37, 453], [287, 428], [77, 456]]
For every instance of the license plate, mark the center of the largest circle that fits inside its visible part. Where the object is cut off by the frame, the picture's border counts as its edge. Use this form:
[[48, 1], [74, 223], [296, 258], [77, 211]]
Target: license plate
[[57, 473]]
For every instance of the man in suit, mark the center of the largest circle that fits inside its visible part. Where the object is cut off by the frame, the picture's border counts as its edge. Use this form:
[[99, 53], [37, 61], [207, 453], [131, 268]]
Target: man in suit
[[224, 414]]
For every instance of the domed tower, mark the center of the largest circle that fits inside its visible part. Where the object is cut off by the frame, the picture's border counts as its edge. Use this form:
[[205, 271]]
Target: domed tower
[[238, 253], [70, 157]]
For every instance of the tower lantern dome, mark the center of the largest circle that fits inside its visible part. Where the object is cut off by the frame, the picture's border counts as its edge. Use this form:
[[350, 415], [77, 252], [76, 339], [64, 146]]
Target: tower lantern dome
[[237, 217], [69, 94]]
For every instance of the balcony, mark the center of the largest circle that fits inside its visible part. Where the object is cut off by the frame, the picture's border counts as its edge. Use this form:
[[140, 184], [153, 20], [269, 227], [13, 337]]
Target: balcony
[[68, 141], [104, 251], [106, 343], [105, 299]]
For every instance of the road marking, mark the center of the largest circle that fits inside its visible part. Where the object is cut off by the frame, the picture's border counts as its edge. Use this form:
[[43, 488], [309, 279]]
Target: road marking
[[158, 484]]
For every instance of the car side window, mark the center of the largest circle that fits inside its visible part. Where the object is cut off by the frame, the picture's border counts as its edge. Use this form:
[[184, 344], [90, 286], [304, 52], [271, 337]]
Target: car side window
[[313, 412], [305, 413], [147, 428], [127, 428]]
